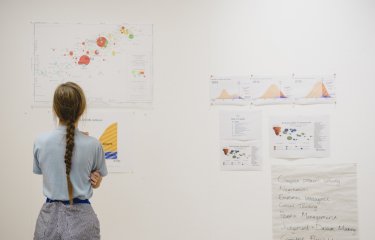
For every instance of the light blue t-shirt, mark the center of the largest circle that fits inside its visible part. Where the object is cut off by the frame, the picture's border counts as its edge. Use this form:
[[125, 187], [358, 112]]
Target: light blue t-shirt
[[88, 156]]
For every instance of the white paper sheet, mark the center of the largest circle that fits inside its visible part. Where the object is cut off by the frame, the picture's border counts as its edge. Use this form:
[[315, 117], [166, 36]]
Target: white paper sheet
[[240, 155], [111, 62], [240, 125], [314, 89], [107, 130], [299, 136], [240, 137], [271, 90], [230, 90], [314, 202]]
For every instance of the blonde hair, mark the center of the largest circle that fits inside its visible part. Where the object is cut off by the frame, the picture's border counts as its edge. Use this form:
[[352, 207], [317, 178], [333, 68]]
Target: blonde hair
[[69, 103]]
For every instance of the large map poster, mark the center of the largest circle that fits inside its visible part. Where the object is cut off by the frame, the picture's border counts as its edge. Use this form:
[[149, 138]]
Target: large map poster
[[111, 62]]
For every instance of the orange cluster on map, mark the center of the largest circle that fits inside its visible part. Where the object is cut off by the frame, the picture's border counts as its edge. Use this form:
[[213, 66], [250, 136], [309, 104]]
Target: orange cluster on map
[[85, 57]]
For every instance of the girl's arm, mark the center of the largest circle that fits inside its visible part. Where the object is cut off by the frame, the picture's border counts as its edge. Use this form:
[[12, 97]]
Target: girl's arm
[[95, 179]]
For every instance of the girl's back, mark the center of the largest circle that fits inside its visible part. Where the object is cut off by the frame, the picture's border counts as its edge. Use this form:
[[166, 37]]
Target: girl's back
[[49, 150]]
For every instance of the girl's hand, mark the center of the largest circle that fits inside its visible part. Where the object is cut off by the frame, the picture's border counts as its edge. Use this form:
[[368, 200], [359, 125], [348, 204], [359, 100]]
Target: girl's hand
[[95, 179]]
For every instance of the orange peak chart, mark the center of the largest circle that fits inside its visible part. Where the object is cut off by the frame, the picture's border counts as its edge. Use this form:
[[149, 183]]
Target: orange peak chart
[[230, 90], [314, 89], [319, 91], [225, 95], [272, 89]]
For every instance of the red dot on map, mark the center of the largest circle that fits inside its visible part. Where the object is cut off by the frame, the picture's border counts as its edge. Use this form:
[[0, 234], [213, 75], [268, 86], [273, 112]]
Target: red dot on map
[[84, 59], [101, 42]]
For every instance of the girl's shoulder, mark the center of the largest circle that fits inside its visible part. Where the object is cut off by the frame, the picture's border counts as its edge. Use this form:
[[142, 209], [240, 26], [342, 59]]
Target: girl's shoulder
[[87, 139], [46, 137]]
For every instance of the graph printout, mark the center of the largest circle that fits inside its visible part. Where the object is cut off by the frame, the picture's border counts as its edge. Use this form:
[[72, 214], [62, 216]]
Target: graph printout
[[314, 89], [240, 140], [240, 155], [314, 202], [299, 136], [230, 90], [106, 130], [111, 62], [271, 90]]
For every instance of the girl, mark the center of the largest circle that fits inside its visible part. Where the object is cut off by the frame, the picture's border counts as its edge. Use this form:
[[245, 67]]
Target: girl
[[72, 164]]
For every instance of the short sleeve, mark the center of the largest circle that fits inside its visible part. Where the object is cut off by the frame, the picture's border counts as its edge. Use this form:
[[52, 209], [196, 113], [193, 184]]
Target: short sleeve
[[99, 163], [36, 167]]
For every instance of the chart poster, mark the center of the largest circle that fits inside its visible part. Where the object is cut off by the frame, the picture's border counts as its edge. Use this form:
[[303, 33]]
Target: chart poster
[[240, 125], [271, 90], [107, 130], [314, 89], [314, 202], [230, 90], [240, 138], [299, 136], [111, 62], [240, 155]]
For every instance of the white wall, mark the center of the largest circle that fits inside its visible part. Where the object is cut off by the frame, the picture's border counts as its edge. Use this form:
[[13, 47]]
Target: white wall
[[177, 190]]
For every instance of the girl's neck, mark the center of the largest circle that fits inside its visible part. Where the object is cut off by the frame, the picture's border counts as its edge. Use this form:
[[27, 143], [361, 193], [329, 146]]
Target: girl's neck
[[64, 124]]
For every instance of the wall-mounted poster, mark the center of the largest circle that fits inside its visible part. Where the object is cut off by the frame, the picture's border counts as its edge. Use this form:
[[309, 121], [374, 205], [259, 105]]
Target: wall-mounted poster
[[312, 202], [111, 62]]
